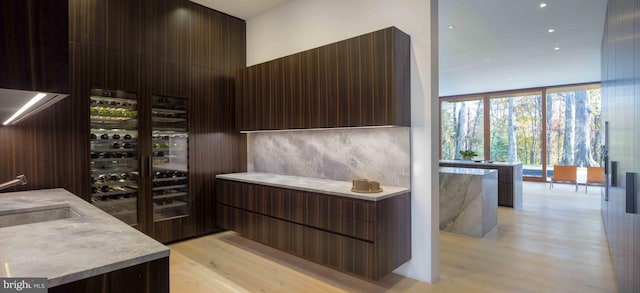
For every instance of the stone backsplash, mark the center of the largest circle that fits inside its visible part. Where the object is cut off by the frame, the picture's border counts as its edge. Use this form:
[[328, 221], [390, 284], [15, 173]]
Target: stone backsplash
[[381, 154]]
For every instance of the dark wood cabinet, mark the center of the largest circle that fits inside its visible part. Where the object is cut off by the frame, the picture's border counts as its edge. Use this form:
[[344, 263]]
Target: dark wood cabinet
[[361, 237], [362, 81], [149, 277], [35, 45], [621, 112], [167, 48], [172, 48]]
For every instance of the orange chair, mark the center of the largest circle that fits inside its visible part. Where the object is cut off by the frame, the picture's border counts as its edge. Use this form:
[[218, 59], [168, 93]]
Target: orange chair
[[564, 174], [595, 176]]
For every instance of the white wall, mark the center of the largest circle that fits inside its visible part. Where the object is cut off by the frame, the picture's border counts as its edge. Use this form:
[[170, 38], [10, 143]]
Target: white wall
[[299, 25]]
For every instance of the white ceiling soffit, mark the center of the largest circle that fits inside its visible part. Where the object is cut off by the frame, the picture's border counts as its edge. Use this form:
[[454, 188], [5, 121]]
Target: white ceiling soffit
[[243, 9], [499, 45]]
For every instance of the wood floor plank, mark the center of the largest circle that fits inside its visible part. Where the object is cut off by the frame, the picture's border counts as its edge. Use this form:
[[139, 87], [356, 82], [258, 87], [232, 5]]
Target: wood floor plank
[[556, 243]]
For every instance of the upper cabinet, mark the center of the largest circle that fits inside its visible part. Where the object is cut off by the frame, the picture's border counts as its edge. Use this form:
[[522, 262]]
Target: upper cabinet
[[362, 81], [35, 50]]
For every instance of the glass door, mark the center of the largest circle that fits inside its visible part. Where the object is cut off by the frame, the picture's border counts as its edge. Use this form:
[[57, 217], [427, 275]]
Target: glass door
[[170, 161], [573, 128], [114, 155]]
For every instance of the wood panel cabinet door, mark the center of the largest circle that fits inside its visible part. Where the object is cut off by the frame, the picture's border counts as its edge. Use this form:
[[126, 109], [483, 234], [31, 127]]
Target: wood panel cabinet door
[[361, 237], [35, 50], [362, 81], [169, 48]]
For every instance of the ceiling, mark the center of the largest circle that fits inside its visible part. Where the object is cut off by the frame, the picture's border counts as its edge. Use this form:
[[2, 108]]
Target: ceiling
[[243, 9], [499, 44], [505, 44]]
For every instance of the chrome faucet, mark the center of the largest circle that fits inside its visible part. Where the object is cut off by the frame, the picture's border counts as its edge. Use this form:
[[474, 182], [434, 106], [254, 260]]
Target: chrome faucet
[[20, 180]]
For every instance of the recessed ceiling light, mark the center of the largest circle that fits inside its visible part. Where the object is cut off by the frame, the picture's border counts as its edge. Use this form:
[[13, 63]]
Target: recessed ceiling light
[[543, 5], [551, 30], [487, 59], [451, 27], [556, 48]]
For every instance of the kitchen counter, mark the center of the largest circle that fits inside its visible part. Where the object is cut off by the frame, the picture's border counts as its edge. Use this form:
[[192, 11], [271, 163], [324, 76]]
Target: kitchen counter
[[481, 163], [509, 179], [368, 235], [467, 171], [325, 186], [90, 244]]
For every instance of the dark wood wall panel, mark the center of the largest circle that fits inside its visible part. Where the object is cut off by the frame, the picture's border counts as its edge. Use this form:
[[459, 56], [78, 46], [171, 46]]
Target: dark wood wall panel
[[620, 107], [172, 48], [35, 56], [38, 149], [223, 149], [362, 81], [34, 49]]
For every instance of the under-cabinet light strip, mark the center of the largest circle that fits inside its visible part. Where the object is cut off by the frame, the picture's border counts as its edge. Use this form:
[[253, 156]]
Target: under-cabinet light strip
[[26, 106], [326, 128]]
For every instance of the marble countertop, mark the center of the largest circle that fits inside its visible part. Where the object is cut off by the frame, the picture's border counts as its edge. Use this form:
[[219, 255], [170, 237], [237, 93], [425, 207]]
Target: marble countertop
[[467, 171], [482, 163], [71, 249], [325, 186]]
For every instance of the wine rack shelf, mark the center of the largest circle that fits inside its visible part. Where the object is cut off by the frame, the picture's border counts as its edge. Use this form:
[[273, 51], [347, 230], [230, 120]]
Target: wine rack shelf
[[114, 153], [170, 145]]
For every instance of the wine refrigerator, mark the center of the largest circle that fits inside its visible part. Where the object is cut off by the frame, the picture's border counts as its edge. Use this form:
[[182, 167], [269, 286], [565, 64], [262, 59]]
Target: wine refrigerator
[[119, 169]]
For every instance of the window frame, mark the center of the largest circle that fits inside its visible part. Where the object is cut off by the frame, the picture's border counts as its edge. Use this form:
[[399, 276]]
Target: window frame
[[487, 96]]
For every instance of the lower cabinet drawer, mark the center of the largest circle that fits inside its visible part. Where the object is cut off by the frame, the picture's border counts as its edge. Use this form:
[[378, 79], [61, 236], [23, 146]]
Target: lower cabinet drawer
[[332, 250], [344, 216]]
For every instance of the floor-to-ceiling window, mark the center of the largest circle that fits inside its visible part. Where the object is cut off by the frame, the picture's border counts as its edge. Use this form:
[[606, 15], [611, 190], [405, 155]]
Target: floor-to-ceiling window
[[462, 127], [516, 130], [573, 127], [539, 127]]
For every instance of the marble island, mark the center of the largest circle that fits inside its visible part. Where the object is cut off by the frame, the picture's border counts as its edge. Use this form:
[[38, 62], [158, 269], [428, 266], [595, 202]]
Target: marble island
[[85, 244], [468, 200], [509, 179]]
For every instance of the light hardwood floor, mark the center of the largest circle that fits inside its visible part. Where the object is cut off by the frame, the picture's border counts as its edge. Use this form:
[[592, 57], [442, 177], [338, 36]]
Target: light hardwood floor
[[556, 243]]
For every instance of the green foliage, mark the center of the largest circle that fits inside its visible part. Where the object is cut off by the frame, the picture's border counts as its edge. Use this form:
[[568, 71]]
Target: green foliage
[[468, 153], [452, 138], [528, 127]]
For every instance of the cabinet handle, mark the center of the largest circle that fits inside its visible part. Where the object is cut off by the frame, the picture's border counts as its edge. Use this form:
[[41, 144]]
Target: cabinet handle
[[614, 173], [146, 171], [631, 193], [143, 167], [149, 166]]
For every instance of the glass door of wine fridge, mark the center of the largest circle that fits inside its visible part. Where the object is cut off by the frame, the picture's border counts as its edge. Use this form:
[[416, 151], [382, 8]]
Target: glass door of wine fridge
[[114, 153], [170, 161]]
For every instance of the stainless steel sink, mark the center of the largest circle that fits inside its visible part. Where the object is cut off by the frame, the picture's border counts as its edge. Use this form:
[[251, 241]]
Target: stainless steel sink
[[17, 217]]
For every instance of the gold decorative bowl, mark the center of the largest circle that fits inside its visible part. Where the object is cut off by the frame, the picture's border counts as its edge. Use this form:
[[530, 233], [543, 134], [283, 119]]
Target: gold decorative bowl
[[365, 186]]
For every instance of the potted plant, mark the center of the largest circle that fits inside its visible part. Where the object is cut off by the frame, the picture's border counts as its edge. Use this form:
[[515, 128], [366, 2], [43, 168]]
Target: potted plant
[[468, 154]]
